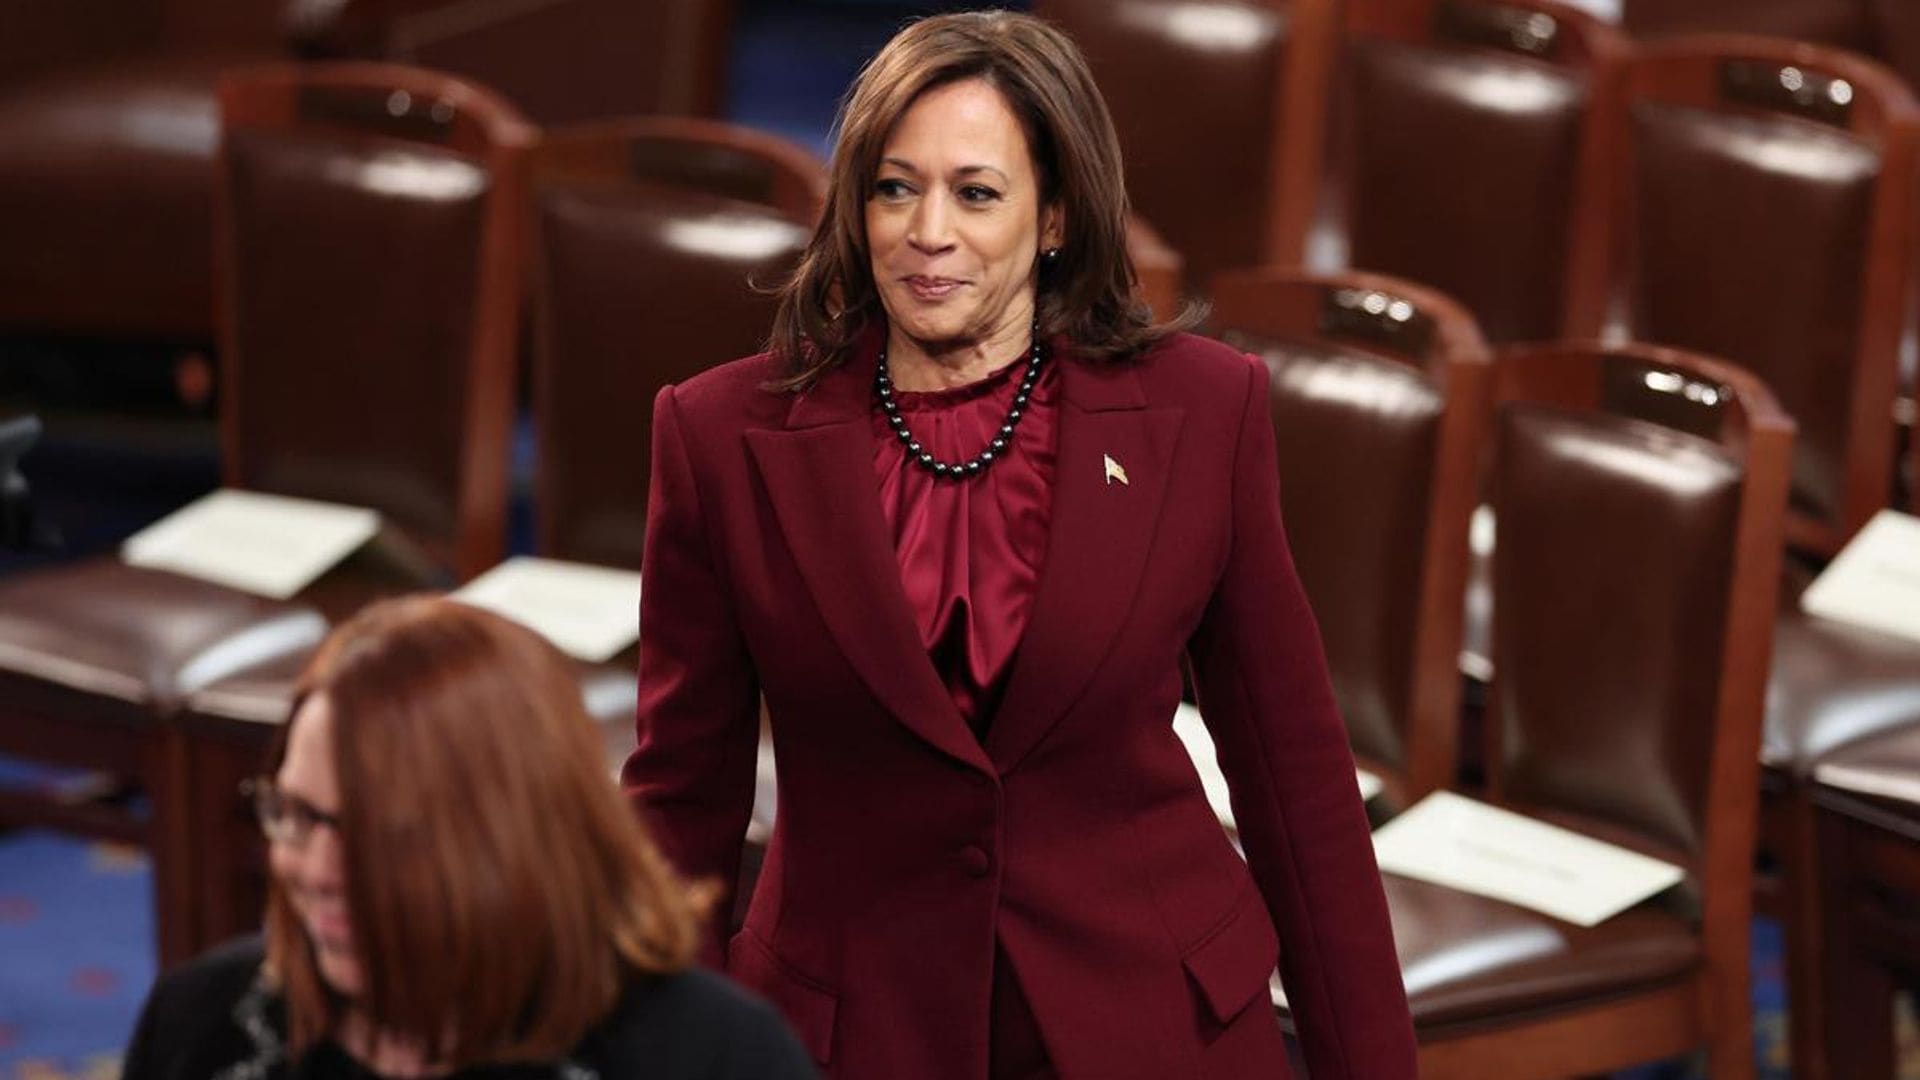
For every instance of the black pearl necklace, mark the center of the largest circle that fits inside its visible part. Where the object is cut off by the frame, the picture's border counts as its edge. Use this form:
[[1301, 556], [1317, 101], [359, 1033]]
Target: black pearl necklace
[[957, 470]]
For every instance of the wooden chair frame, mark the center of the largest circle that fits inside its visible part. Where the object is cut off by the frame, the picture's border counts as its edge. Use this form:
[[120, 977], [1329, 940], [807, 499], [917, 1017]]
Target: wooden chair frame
[[1581, 39], [602, 151], [1298, 96], [603, 155], [1712, 1006], [1685, 71], [353, 100], [1284, 304], [1868, 850], [1815, 834]]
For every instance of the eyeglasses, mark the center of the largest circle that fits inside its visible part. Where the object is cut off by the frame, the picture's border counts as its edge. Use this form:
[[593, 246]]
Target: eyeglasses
[[284, 818]]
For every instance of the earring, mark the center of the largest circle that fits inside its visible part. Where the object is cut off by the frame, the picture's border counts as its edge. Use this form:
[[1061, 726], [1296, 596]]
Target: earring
[[1050, 256]]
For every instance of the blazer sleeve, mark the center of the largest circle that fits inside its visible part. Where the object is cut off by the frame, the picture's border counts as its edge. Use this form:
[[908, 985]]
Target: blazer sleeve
[[691, 773], [1262, 680]]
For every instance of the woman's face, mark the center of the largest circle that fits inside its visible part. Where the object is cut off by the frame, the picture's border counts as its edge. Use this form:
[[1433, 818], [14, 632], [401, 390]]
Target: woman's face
[[955, 220], [311, 871]]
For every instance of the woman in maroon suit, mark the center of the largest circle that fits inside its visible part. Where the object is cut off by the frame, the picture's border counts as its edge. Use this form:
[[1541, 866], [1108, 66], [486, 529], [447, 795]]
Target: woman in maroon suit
[[959, 526]]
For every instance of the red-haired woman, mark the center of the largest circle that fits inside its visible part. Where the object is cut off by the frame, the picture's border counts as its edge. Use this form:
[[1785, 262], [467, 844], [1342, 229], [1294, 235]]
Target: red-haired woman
[[457, 889]]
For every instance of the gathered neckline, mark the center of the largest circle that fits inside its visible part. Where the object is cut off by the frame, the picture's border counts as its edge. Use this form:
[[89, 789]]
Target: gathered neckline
[[954, 395]]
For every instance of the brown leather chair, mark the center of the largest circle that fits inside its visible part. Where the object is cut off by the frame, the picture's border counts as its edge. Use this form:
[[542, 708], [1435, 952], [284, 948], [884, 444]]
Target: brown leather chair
[[1204, 94], [1641, 493], [1867, 798], [1764, 202], [371, 234], [370, 226], [108, 123], [659, 243], [1807, 155], [1843, 694], [1464, 147], [1379, 403]]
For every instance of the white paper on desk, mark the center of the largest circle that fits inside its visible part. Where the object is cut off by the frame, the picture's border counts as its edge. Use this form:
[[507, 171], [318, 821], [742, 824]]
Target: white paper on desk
[[1452, 840], [266, 544], [1875, 581], [1193, 732], [589, 612]]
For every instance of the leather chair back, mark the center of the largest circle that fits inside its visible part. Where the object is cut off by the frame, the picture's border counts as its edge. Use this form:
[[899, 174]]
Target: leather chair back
[[1463, 134], [560, 62], [1764, 206], [1379, 395], [1640, 494], [658, 241], [1203, 94], [1845, 23], [369, 227]]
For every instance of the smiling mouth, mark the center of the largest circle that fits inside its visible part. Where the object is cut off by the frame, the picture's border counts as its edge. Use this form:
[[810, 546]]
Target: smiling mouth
[[331, 924], [931, 288]]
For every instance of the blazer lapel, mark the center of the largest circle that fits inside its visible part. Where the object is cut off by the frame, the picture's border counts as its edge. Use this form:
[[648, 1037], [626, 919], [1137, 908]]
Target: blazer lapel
[[819, 477], [1102, 528]]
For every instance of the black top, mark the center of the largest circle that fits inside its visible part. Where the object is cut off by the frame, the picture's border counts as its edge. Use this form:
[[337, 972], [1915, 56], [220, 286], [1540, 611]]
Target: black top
[[215, 1019]]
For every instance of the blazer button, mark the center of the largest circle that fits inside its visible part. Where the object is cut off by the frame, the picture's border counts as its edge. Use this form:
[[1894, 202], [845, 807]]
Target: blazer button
[[975, 859]]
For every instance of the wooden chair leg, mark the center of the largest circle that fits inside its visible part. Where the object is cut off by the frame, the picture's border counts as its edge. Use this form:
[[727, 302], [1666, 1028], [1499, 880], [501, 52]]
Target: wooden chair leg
[[1730, 1053], [1860, 1029], [170, 845], [1857, 990], [1729, 1046], [229, 870], [1801, 900]]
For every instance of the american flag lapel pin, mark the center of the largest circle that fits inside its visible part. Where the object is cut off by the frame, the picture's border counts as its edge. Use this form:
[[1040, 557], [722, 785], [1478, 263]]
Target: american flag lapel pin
[[1114, 471]]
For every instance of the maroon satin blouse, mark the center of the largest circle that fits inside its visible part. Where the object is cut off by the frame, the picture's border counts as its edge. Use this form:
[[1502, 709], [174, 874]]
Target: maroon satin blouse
[[970, 550]]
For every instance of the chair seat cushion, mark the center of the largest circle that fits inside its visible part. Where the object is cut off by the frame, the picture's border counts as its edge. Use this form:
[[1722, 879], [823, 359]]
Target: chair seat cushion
[[101, 627], [1465, 957], [611, 693], [106, 198], [1832, 683], [257, 696], [261, 693], [1886, 768]]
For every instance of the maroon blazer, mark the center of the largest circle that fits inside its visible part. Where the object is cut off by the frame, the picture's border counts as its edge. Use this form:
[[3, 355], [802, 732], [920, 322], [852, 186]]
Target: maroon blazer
[[1076, 834]]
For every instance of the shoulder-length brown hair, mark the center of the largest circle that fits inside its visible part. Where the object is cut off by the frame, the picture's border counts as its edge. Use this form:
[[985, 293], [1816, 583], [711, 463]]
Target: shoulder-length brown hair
[[499, 888], [1086, 295]]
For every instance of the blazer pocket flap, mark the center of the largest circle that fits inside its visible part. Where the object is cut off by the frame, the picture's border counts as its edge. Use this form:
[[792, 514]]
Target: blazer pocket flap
[[1233, 964], [808, 1006]]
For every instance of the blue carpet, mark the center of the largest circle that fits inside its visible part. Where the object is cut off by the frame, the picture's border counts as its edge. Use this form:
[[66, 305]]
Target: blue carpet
[[76, 935]]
